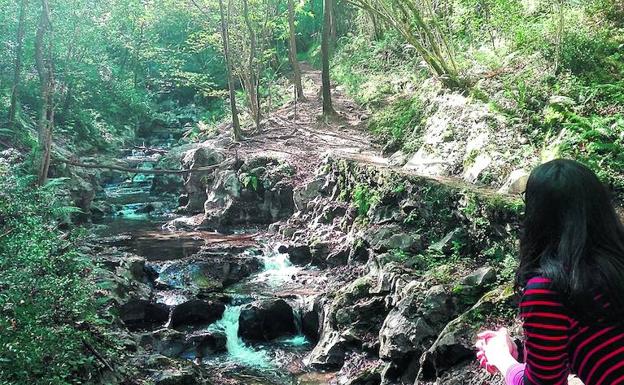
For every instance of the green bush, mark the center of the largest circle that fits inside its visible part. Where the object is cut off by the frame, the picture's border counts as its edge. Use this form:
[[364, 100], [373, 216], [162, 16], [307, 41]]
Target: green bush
[[46, 303]]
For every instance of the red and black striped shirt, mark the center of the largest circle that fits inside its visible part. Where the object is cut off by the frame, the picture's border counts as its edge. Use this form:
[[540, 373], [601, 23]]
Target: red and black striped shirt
[[557, 344]]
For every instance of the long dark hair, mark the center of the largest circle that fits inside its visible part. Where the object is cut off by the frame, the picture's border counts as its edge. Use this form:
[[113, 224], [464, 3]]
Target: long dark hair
[[572, 235]]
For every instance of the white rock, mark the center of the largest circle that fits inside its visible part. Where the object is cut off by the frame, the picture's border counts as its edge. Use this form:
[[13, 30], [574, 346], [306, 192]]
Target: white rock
[[480, 164], [399, 158], [516, 182]]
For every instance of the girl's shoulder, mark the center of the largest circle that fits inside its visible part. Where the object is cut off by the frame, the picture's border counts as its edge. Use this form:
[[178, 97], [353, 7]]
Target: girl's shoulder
[[538, 280]]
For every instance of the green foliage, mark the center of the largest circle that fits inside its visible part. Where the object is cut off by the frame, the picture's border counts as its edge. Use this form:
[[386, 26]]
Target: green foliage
[[595, 140], [398, 120], [251, 181], [46, 300], [364, 198]]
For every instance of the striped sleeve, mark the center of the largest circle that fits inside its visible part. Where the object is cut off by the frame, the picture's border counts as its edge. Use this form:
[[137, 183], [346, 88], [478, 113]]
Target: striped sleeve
[[546, 325]]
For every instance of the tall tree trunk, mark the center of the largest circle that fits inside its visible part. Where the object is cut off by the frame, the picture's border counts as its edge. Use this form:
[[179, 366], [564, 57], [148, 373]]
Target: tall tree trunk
[[236, 130], [45, 70], [21, 29], [333, 26], [292, 52], [328, 108], [252, 89]]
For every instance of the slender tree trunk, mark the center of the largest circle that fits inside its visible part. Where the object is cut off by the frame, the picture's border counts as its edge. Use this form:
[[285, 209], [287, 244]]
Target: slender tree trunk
[[333, 26], [292, 52], [236, 130], [45, 70], [328, 108], [377, 32], [21, 29], [252, 89]]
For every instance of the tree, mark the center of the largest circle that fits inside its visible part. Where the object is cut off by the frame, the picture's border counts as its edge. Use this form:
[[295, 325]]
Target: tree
[[21, 29], [251, 76], [292, 52], [236, 130], [419, 24], [328, 108], [45, 70]]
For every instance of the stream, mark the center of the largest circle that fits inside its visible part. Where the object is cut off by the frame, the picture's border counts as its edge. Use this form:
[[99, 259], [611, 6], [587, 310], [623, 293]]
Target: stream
[[136, 224]]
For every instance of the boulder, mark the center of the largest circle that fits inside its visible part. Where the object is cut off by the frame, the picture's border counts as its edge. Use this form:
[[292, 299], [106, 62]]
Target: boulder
[[141, 312], [205, 343], [168, 342], [303, 195], [195, 183], [172, 343], [311, 313], [196, 312], [298, 254], [392, 237], [207, 272], [455, 342], [330, 351], [350, 321], [515, 183], [259, 192], [265, 320]]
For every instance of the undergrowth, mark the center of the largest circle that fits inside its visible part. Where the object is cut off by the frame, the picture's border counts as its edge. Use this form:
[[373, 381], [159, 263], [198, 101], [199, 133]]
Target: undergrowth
[[46, 300]]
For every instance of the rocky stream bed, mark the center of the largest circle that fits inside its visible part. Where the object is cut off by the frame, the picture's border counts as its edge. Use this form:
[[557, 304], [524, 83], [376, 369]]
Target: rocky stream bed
[[359, 275]]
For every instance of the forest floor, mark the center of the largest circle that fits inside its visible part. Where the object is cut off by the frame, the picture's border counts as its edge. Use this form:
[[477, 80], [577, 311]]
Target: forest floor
[[299, 133]]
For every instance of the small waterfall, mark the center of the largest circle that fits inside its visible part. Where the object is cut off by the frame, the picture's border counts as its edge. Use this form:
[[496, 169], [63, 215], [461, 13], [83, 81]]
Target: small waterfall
[[237, 349], [300, 339], [277, 266]]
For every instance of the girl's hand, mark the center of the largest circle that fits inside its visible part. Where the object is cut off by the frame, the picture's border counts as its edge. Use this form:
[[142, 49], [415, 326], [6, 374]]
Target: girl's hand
[[493, 347], [496, 350], [483, 337]]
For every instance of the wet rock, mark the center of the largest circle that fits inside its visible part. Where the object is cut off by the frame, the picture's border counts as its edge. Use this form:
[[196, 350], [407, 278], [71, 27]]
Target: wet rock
[[196, 312], [136, 267], [203, 344], [515, 183], [168, 342], [320, 251], [339, 256], [330, 351], [142, 312], [311, 318], [266, 320], [298, 254], [172, 343], [207, 272]]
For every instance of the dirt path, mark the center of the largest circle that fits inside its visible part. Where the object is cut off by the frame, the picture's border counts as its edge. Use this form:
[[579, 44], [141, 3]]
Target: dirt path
[[299, 134]]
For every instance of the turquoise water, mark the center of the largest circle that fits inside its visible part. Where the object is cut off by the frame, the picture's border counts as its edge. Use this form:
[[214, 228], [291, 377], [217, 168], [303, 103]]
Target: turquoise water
[[277, 267], [237, 349]]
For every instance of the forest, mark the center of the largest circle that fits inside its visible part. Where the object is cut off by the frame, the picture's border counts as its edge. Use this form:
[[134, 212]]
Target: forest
[[283, 191]]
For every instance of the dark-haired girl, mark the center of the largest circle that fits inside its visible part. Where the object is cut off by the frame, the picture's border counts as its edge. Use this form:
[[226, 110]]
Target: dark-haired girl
[[571, 279]]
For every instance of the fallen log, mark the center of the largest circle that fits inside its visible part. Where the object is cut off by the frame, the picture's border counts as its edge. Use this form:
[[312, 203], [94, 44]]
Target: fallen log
[[139, 170], [147, 150]]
